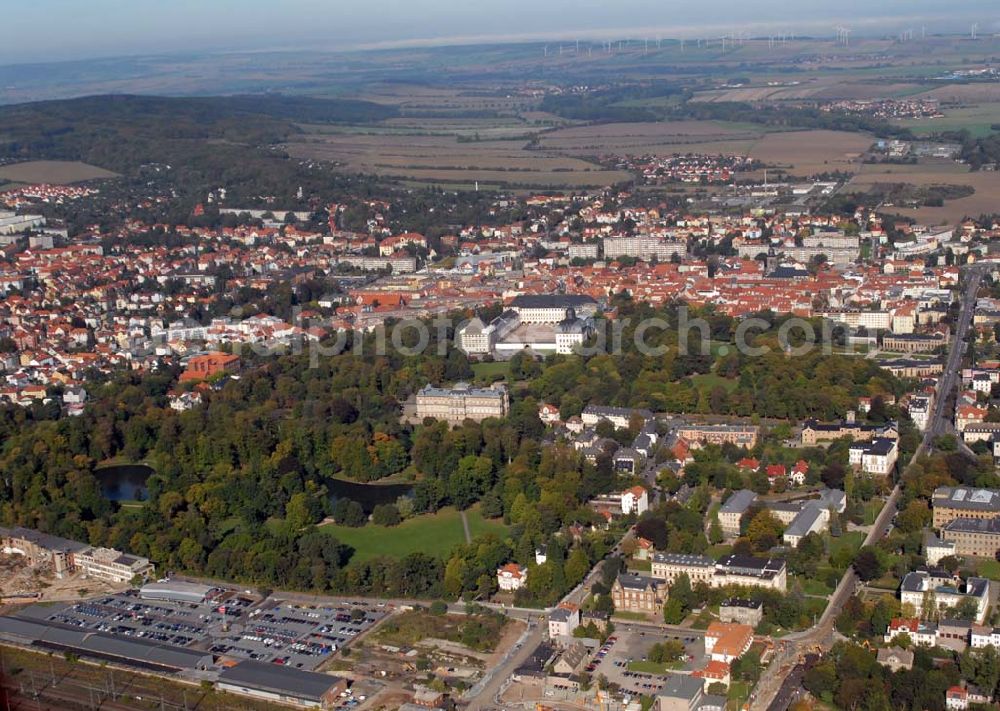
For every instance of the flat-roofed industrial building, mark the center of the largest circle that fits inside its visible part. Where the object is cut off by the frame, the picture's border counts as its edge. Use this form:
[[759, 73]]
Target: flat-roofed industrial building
[[138, 653], [176, 591], [284, 685]]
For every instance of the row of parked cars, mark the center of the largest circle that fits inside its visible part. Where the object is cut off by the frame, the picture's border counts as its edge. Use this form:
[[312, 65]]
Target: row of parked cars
[[601, 653]]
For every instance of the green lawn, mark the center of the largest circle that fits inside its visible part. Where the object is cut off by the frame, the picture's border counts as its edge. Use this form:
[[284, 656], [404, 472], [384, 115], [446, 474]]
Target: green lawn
[[490, 371], [739, 692], [851, 540], [872, 510], [811, 586], [479, 526], [436, 534], [632, 616], [708, 381], [988, 568], [719, 550]]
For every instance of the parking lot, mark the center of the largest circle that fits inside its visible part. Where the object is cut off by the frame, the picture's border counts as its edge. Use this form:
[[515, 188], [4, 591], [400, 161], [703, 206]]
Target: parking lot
[[297, 635], [226, 623], [633, 645]]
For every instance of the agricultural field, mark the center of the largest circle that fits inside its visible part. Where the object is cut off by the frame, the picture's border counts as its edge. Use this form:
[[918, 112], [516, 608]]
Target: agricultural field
[[977, 120], [809, 152], [829, 87], [801, 152], [983, 201], [415, 99], [974, 93], [663, 138], [434, 534], [54, 172], [446, 159]]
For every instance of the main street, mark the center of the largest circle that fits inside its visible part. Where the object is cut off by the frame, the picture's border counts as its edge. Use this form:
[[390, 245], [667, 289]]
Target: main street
[[821, 635]]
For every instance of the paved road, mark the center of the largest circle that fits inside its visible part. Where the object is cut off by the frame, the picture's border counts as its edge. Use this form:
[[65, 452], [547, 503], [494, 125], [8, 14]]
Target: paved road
[[483, 697], [775, 692], [465, 526]]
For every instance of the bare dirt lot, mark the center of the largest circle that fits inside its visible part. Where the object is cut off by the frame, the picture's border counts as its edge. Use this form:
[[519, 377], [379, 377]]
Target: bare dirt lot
[[17, 578], [54, 172]]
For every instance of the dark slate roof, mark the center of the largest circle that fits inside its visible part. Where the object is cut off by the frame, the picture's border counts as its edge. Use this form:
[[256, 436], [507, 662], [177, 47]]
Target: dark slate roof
[[552, 301], [682, 686], [974, 525], [44, 540], [636, 582], [739, 502], [280, 679]]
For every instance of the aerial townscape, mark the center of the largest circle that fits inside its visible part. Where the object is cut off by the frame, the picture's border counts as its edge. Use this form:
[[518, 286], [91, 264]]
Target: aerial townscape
[[633, 363]]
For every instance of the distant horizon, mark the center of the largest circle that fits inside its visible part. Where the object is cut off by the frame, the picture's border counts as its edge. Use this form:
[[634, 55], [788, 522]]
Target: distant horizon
[[433, 43], [73, 34]]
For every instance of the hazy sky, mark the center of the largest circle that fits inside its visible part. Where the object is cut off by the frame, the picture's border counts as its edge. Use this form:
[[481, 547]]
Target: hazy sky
[[40, 30]]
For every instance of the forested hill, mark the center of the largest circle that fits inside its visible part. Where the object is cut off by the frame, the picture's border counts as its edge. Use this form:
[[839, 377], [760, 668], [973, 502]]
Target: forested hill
[[208, 141]]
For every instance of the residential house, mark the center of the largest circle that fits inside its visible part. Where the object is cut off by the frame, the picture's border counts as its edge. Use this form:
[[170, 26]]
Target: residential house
[[563, 620], [635, 501], [512, 577], [894, 658]]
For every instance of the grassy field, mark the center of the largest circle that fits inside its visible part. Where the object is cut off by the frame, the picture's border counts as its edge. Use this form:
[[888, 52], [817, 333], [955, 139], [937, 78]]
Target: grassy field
[[436, 534], [54, 172], [479, 632], [489, 371]]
